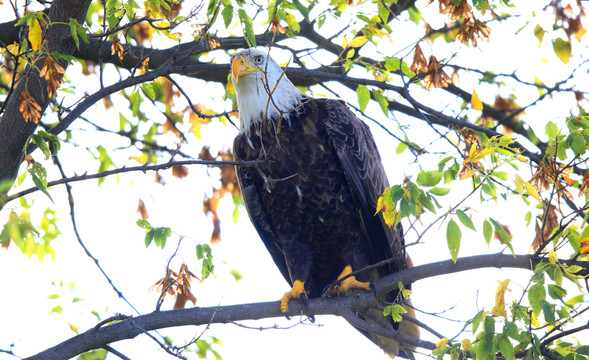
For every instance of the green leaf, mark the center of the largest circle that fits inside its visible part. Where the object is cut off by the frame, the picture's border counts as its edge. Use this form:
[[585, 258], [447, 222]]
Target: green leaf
[[148, 89], [500, 230], [429, 178], [149, 237], [485, 349], [144, 224], [302, 9], [236, 275], [401, 147], [510, 329], [56, 309], [476, 321], [28, 17], [548, 312], [576, 300], [105, 162], [382, 101], [536, 294], [248, 28], [487, 231], [160, 235], [363, 96], [556, 292], [562, 49], [439, 191], [74, 31], [465, 220], [53, 296], [583, 350], [98, 354], [577, 143], [41, 185], [453, 236], [40, 142], [551, 130], [506, 348], [227, 15]]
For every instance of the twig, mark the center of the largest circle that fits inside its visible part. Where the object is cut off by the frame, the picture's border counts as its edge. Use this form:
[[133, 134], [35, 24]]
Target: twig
[[142, 168], [79, 238]]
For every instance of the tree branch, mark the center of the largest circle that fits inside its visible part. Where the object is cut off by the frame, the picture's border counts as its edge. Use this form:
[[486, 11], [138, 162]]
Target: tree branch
[[142, 168], [59, 39], [129, 328]]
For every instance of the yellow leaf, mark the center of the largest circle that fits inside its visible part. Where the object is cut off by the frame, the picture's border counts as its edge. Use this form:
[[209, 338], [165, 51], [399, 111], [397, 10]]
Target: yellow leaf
[[358, 41], [562, 49], [142, 159], [476, 103], [519, 184], [345, 43], [442, 343], [406, 293], [580, 34], [466, 345], [35, 34], [499, 308], [552, 257], [73, 328], [174, 36], [532, 191]]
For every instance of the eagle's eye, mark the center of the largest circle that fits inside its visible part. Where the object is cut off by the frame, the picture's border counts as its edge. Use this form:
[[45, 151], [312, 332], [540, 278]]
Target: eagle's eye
[[258, 59]]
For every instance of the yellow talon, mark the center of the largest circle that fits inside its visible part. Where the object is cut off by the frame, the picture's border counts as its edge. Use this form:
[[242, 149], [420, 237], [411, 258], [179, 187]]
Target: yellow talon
[[350, 283], [297, 291]]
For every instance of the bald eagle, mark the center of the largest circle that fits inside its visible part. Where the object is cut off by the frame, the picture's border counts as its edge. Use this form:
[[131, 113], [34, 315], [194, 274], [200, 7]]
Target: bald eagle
[[312, 198]]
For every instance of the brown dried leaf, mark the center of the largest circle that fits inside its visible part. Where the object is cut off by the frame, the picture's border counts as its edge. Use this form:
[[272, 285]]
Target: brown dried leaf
[[498, 237], [117, 48], [29, 108], [179, 171], [456, 11], [159, 179], [141, 209], [419, 61], [436, 76]]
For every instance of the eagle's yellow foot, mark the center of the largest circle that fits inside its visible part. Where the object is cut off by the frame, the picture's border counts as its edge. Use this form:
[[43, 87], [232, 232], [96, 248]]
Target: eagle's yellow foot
[[350, 283], [297, 292]]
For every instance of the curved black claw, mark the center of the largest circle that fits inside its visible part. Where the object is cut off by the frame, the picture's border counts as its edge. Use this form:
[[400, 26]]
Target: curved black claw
[[286, 316], [305, 301], [328, 290], [372, 288], [312, 319]]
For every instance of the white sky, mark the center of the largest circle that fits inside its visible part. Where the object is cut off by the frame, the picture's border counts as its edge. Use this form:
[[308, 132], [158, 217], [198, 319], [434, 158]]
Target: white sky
[[106, 219]]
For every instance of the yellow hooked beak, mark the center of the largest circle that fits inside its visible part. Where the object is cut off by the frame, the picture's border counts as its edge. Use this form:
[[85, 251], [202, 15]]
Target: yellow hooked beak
[[239, 67]]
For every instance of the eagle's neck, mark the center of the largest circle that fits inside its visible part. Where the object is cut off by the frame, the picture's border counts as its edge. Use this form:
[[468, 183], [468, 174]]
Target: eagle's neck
[[256, 105]]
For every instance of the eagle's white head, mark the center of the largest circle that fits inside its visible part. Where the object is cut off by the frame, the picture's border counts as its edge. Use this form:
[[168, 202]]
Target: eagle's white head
[[263, 90]]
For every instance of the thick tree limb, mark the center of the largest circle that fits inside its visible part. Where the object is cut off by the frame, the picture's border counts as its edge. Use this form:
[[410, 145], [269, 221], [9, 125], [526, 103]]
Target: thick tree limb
[[13, 128], [129, 328]]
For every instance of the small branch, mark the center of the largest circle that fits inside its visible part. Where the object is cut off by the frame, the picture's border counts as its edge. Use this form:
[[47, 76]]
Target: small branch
[[115, 352], [142, 168], [79, 238]]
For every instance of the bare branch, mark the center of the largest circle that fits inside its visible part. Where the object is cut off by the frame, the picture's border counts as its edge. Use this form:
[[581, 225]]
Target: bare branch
[[342, 306], [142, 168]]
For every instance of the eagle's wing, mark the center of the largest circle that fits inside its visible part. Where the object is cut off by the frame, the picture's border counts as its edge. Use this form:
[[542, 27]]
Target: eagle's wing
[[362, 165], [258, 212]]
